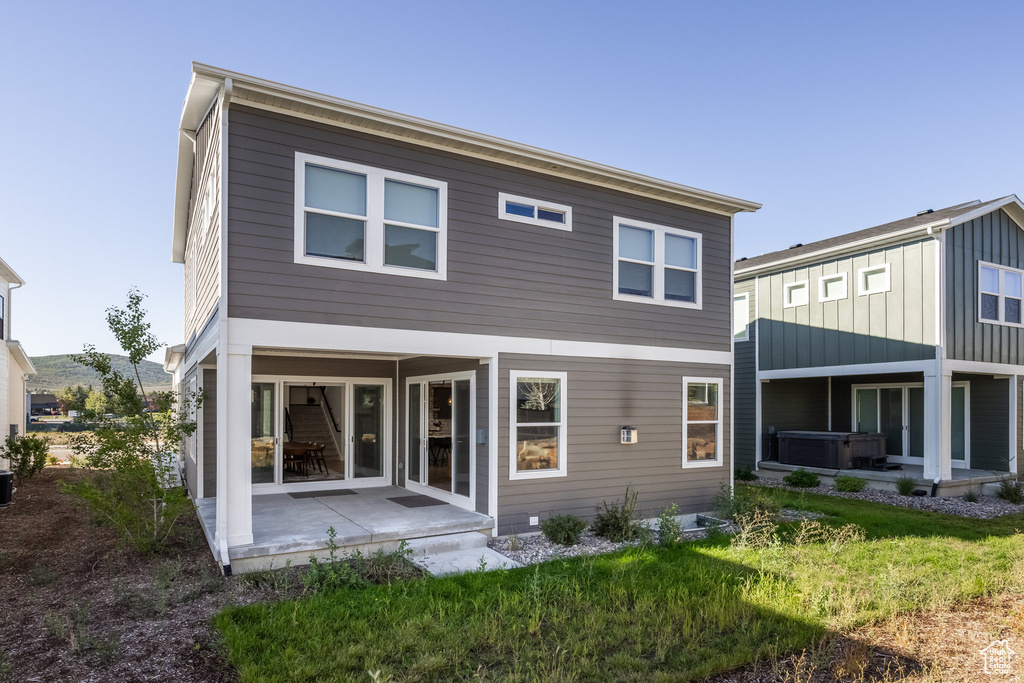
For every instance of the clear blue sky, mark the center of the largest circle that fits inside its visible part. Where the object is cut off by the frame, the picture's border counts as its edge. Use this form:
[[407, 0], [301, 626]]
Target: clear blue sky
[[836, 116]]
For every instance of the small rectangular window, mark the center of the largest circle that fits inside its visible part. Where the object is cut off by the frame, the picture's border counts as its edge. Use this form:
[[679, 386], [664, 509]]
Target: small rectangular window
[[656, 264], [537, 420], [1000, 290], [795, 294], [702, 422], [534, 212], [873, 280], [832, 287], [740, 317]]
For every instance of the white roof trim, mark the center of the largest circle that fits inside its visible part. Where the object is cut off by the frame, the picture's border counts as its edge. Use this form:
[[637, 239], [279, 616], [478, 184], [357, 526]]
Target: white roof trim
[[19, 355], [8, 274], [173, 355], [1010, 204], [260, 93]]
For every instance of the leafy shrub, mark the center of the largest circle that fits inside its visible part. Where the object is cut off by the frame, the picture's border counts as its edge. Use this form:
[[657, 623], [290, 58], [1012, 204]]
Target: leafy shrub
[[332, 573], [905, 485], [1011, 491], [670, 531], [27, 455], [744, 473], [744, 502], [848, 484], [563, 529], [618, 523], [381, 567], [803, 479]]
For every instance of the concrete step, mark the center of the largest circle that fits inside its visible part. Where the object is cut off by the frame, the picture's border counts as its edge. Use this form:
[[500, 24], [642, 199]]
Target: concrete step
[[464, 561], [444, 543]]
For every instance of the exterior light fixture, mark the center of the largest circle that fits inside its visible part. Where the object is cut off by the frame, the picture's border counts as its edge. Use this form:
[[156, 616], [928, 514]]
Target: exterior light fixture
[[629, 435]]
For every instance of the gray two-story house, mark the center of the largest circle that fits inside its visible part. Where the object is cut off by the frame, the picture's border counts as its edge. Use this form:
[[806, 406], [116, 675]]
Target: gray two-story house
[[382, 309], [912, 329]]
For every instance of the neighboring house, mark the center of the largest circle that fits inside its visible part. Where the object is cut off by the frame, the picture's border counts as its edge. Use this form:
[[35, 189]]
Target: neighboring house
[[470, 319], [15, 366], [912, 329], [44, 404]]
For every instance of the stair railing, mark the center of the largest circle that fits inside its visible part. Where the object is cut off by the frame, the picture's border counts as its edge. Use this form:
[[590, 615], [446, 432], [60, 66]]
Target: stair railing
[[329, 415], [288, 429]]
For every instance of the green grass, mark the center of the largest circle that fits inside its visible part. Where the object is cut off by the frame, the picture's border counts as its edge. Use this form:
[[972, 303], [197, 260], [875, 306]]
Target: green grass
[[645, 614]]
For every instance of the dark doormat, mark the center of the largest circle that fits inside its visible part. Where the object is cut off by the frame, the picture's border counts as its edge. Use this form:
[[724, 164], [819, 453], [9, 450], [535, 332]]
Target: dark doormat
[[323, 494], [417, 501]]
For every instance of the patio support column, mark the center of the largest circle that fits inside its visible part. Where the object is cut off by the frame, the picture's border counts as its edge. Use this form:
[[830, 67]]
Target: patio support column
[[234, 455], [938, 438], [1014, 436]]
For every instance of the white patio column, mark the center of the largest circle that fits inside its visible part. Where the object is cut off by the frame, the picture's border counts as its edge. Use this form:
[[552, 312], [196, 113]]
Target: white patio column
[[234, 454], [938, 438], [1014, 436]]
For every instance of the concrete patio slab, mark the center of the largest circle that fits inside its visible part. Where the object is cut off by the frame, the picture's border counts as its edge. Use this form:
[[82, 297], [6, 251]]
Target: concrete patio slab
[[464, 561]]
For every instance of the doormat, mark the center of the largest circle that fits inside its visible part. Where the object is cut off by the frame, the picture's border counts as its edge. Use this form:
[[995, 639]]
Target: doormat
[[323, 494], [417, 501]]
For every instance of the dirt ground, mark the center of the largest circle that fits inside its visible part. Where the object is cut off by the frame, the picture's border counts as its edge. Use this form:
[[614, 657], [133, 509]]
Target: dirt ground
[[75, 607]]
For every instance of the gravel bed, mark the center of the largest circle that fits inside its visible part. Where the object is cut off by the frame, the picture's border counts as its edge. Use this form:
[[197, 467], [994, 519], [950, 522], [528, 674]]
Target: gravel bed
[[536, 549], [986, 507]]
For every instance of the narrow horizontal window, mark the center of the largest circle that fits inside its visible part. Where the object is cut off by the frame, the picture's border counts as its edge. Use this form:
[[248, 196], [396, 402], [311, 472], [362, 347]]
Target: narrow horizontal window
[[358, 217], [873, 280], [832, 287], [534, 212], [795, 294]]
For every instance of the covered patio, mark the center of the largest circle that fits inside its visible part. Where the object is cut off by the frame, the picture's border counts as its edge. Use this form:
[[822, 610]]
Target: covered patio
[[293, 526], [959, 482]]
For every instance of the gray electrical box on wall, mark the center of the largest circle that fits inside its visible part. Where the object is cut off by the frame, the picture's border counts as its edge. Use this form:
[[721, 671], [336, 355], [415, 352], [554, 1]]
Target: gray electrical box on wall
[[481, 436]]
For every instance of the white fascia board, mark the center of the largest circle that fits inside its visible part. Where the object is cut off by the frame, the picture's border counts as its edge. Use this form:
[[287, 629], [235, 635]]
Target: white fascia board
[[982, 368], [1010, 204], [247, 333], [843, 370], [382, 122], [22, 359], [202, 94], [7, 273], [173, 355]]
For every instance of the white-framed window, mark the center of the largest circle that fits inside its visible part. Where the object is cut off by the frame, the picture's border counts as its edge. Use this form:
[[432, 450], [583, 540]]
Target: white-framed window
[[832, 287], [794, 294], [363, 218], [656, 264], [534, 211], [537, 424], [740, 316], [702, 422], [999, 294], [873, 280]]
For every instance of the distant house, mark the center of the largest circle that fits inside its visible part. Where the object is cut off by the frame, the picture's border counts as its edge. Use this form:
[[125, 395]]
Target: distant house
[[15, 366], [913, 329], [379, 307], [45, 404]]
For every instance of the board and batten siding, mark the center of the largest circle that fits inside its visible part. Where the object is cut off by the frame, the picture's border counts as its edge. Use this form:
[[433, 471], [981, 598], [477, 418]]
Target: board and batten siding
[[745, 396], [898, 325], [202, 245], [990, 426], [504, 278], [995, 238], [603, 395]]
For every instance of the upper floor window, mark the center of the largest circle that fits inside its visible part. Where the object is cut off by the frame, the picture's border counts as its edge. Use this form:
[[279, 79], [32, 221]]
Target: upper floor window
[[3, 320], [656, 264], [832, 287], [740, 316], [795, 294], [999, 293], [359, 217], [873, 280], [534, 212]]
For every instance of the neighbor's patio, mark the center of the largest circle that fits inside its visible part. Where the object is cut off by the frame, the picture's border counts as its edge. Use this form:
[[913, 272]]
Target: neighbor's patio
[[961, 481], [292, 526]]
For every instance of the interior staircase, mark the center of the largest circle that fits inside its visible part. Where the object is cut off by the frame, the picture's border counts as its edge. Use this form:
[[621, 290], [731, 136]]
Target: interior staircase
[[310, 424]]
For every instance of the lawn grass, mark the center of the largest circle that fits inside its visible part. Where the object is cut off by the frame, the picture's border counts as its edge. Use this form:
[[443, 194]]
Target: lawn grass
[[644, 614]]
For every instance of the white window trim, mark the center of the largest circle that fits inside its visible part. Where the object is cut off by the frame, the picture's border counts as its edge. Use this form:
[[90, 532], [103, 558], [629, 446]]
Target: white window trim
[[561, 470], [658, 283], [536, 204], [719, 458], [862, 290], [1000, 294], [374, 238], [787, 290], [841, 277], [746, 307]]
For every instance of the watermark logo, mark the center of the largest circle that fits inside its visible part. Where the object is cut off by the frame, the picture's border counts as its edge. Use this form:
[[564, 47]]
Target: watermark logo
[[998, 656]]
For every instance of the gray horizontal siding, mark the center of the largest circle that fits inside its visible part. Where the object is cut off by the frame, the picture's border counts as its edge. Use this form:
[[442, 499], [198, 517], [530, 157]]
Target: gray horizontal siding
[[603, 395], [745, 399], [208, 417], [995, 238], [898, 325], [504, 278]]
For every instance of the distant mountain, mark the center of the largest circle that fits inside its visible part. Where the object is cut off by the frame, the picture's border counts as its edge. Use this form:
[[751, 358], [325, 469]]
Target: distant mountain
[[56, 372]]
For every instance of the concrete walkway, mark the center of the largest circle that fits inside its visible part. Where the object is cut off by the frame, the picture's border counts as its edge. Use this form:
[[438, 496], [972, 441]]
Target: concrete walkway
[[291, 526]]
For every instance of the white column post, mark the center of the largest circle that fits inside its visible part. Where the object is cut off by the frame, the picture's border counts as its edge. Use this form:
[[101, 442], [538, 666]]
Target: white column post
[[1014, 435], [938, 405], [234, 455]]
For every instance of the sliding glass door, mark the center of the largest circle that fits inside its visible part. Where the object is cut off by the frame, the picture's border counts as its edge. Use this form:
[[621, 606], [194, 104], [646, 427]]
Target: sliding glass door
[[439, 430]]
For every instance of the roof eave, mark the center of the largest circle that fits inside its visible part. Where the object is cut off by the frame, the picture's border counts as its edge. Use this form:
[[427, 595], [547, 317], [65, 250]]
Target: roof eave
[[21, 357], [8, 274], [173, 355]]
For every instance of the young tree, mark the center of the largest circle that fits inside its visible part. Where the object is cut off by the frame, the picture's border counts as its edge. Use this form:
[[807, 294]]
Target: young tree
[[96, 404], [135, 485]]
